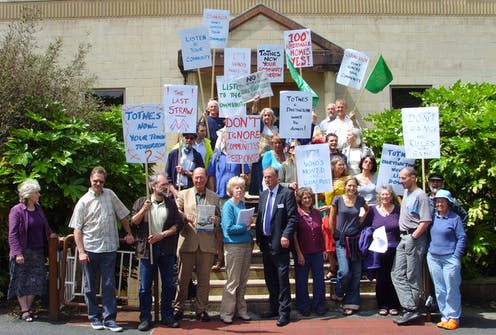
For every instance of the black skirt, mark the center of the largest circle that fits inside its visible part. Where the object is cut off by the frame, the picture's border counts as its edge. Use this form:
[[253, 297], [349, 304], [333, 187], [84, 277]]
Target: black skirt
[[29, 278]]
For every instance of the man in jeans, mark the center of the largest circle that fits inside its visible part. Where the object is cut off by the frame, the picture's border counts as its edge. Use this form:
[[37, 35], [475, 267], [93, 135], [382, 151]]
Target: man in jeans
[[407, 272], [158, 222], [97, 240]]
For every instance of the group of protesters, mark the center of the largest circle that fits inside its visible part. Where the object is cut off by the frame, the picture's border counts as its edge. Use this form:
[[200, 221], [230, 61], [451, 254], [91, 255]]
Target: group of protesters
[[190, 225]]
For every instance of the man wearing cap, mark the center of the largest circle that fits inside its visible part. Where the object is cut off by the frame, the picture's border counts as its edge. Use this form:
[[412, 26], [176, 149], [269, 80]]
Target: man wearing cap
[[436, 182], [415, 218], [181, 162]]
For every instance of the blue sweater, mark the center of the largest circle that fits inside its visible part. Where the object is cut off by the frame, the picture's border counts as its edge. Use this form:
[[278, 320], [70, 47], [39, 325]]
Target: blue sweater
[[447, 235], [234, 233]]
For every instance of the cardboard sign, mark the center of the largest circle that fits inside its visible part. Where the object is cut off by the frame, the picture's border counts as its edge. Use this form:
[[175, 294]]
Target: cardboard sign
[[230, 101], [298, 45], [313, 167], [270, 59], [143, 130], [237, 62], [254, 85], [195, 48], [295, 114], [393, 159], [421, 132], [217, 23], [180, 108], [353, 68], [242, 139]]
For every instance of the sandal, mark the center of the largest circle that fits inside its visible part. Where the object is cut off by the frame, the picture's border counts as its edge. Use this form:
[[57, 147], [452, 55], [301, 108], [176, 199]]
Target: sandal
[[26, 316], [334, 297], [33, 314], [348, 312], [383, 312], [394, 311]]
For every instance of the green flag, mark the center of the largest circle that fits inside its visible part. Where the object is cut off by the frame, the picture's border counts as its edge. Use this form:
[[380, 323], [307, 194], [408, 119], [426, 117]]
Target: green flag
[[380, 77], [302, 84]]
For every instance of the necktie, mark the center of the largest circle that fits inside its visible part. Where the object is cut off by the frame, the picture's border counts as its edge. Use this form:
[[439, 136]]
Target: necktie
[[268, 216]]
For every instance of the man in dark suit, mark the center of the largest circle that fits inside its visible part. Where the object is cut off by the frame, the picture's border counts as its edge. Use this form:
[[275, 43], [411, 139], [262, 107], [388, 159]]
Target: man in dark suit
[[276, 223]]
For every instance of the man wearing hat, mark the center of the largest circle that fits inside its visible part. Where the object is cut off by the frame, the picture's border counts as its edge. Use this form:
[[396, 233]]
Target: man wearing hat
[[181, 162], [436, 182]]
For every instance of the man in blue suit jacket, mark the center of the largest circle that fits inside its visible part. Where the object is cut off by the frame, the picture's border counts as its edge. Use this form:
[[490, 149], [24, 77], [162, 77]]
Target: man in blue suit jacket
[[274, 233]]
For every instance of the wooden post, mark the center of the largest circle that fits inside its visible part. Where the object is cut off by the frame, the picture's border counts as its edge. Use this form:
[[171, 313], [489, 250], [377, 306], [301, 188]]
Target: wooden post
[[53, 271]]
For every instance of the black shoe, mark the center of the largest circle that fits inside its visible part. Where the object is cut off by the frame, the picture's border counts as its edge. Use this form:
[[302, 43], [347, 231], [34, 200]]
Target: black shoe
[[145, 325], [282, 321], [408, 317], [203, 316], [171, 323], [306, 312], [268, 315], [321, 312], [178, 315]]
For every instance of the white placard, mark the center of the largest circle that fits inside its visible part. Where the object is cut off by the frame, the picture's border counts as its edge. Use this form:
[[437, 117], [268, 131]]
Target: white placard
[[379, 240], [313, 167], [180, 108], [195, 48], [230, 100], [237, 62], [270, 59], [298, 45], [295, 114], [254, 85], [421, 132], [143, 130], [217, 23], [393, 159], [352, 69], [242, 139]]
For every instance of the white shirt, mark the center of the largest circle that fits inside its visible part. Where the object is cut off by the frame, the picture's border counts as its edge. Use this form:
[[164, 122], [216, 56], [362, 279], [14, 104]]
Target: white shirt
[[340, 128]]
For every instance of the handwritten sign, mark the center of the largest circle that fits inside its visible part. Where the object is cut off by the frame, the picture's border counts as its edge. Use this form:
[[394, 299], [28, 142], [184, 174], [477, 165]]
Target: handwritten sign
[[421, 132], [180, 109], [195, 48], [298, 45], [230, 101], [313, 167], [270, 59], [217, 23], [295, 113], [393, 159], [242, 139], [143, 130], [253, 85], [237, 62], [352, 69]]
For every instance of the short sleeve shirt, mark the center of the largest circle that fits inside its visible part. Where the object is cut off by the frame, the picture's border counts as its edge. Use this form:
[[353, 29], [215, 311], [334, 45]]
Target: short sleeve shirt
[[414, 209], [347, 218]]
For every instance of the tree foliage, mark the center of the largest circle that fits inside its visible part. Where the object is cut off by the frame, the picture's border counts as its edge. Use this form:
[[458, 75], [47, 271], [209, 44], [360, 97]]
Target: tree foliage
[[467, 116]]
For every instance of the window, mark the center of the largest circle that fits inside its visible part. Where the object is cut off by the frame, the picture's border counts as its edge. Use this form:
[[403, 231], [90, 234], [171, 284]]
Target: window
[[110, 96], [401, 97]]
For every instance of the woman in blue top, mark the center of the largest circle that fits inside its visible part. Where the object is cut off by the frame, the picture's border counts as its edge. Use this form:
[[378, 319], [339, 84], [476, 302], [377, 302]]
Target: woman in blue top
[[443, 258], [237, 253]]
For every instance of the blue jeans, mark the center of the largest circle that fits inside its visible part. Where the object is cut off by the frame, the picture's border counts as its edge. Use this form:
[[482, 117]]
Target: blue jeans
[[314, 262], [349, 273], [105, 264], [165, 263], [446, 276]]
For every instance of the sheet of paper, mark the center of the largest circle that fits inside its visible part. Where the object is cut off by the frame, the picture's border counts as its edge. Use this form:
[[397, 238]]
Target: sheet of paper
[[379, 240], [245, 215]]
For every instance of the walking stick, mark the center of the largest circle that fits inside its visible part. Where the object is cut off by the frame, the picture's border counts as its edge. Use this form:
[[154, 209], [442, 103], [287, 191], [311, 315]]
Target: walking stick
[[148, 155]]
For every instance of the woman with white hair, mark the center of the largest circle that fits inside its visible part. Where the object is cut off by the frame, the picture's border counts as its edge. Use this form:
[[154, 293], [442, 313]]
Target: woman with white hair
[[355, 151], [28, 238]]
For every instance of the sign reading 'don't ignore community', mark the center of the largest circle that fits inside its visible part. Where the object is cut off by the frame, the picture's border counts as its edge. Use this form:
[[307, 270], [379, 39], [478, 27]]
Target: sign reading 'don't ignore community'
[[313, 167], [143, 130], [242, 139]]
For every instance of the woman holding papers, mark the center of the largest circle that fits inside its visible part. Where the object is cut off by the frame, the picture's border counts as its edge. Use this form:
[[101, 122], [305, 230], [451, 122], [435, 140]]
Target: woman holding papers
[[236, 221], [309, 245], [386, 214]]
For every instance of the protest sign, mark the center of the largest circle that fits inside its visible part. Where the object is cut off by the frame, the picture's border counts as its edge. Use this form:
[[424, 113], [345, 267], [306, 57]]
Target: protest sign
[[270, 59], [421, 132], [217, 23], [295, 114], [313, 167], [195, 48], [254, 85], [143, 129], [230, 101], [242, 139], [237, 62], [352, 69], [393, 159], [298, 45], [180, 108]]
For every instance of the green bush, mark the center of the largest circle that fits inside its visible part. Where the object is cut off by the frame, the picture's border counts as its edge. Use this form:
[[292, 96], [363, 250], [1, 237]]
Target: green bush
[[467, 116]]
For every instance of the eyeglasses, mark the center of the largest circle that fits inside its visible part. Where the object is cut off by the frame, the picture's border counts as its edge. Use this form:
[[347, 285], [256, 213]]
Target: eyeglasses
[[291, 147]]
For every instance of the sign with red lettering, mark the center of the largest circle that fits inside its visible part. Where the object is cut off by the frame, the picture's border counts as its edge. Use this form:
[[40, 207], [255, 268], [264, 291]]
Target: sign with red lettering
[[352, 69], [295, 114], [298, 45], [217, 22], [237, 62], [180, 108], [242, 139], [270, 59]]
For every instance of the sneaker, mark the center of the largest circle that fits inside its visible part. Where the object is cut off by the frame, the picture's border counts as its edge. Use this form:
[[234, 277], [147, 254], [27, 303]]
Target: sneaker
[[96, 324], [111, 325]]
